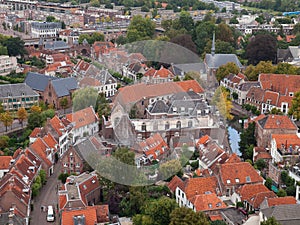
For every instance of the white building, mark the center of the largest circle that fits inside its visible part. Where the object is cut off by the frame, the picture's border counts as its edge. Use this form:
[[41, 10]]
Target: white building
[[7, 64], [45, 29]]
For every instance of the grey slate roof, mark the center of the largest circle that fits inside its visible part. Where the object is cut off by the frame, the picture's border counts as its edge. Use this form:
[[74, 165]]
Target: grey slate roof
[[105, 77], [16, 90], [159, 107], [38, 81], [56, 45], [217, 60], [295, 51], [284, 214], [63, 86], [190, 67], [186, 96], [247, 85]]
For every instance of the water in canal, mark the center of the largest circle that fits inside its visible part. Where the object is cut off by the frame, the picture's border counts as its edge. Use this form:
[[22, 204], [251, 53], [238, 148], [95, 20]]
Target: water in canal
[[234, 138]]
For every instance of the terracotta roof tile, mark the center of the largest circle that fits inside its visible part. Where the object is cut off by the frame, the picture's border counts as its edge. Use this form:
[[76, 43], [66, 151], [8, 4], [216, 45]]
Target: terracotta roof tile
[[154, 145], [288, 200], [174, 183], [239, 173], [203, 140], [233, 159], [260, 197], [83, 117], [89, 82], [207, 202], [288, 83], [87, 187], [200, 185], [39, 147], [190, 85], [215, 217], [286, 140], [36, 132], [271, 97], [5, 162], [277, 122], [50, 141], [89, 213], [249, 190]]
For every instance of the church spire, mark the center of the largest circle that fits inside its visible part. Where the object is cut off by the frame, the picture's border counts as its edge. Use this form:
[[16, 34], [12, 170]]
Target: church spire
[[213, 45]]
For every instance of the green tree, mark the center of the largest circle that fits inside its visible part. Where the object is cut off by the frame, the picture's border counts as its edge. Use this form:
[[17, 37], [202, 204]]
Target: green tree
[[84, 98], [43, 176], [186, 216], [285, 68], [49, 113], [63, 177], [140, 29], [125, 155], [185, 40], [35, 119], [247, 141], [263, 47], [15, 46], [227, 69], [252, 72], [269, 183], [4, 141], [7, 119], [281, 193], [260, 164], [223, 102], [64, 103], [186, 21], [160, 210], [169, 168], [95, 3], [22, 115], [294, 110], [204, 33], [270, 221], [50, 19], [121, 40]]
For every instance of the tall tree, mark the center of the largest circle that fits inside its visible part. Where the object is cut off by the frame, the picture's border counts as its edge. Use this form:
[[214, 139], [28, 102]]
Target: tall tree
[[140, 28], [262, 47], [186, 216], [15, 46], [185, 40], [7, 119], [295, 107], [125, 155], [84, 98], [64, 103], [22, 115], [35, 109], [227, 69], [186, 21]]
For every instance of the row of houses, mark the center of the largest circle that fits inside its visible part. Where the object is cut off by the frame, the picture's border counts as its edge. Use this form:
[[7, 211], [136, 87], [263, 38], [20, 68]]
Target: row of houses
[[267, 93]]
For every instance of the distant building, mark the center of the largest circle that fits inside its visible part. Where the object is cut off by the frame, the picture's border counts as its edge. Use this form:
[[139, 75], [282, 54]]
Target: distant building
[[45, 29], [15, 96], [7, 64]]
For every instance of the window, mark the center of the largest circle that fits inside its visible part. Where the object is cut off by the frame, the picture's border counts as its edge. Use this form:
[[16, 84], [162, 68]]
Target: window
[[210, 205], [248, 179], [178, 125], [190, 123], [167, 126], [144, 127], [237, 180], [291, 94], [228, 181]]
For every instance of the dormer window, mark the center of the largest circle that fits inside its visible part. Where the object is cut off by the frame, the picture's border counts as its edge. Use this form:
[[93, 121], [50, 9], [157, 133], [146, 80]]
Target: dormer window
[[291, 94], [237, 180], [248, 179], [210, 205], [228, 181], [269, 101]]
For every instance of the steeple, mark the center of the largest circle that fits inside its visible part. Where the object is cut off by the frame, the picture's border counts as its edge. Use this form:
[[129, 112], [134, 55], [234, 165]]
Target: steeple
[[213, 45]]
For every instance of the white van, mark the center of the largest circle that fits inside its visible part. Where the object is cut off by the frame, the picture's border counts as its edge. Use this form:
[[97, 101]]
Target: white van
[[50, 214]]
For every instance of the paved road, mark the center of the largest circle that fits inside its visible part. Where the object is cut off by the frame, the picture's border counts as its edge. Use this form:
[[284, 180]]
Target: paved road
[[15, 126], [47, 196]]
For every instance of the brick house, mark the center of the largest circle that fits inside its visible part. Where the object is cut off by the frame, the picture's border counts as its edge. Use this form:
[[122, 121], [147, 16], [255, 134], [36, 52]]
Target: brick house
[[273, 124], [72, 162]]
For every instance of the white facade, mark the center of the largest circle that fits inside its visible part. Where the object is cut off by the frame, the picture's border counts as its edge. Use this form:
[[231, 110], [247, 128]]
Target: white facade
[[84, 131], [276, 157], [45, 29], [7, 64]]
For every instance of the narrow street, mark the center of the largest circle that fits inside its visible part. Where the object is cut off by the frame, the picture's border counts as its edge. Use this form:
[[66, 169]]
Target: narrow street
[[47, 196]]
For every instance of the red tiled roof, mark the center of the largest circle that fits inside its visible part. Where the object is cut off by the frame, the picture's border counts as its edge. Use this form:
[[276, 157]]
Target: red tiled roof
[[288, 200], [88, 212], [288, 83], [87, 187], [39, 147], [154, 145], [286, 140], [102, 212], [200, 185], [260, 197], [262, 155], [36, 132], [203, 140], [82, 66], [174, 183], [50, 141], [207, 202], [83, 117], [249, 190], [289, 38], [233, 159], [190, 85], [277, 122], [242, 171], [215, 217], [57, 125], [5, 162], [62, 201], [272, 97]]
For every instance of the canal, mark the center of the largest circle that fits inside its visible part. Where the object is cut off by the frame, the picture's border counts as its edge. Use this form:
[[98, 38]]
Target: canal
[[234, 138]]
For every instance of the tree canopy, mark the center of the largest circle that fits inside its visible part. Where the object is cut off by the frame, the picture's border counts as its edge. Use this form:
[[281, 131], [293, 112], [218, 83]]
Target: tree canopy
[[140, 28], [84, 98], [186, 216]]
